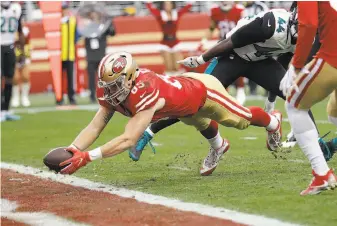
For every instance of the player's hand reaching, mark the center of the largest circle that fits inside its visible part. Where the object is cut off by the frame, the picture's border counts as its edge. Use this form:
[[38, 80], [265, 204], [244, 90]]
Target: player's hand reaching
[[78, 160], [192, 62], [288, 82]]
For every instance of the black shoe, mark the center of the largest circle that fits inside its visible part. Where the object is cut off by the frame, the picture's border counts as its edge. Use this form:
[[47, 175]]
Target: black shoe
[[59, 102]]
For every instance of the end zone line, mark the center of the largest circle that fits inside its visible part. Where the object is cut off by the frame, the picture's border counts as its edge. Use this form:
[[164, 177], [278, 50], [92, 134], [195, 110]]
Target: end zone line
[[222, 213]]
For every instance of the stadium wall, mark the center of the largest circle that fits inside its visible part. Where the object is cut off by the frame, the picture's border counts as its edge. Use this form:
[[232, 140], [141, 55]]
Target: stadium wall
[[138, 35]]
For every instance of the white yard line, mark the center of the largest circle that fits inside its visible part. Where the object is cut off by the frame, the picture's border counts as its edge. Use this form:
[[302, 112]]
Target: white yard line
[[33, 218], [207, 210]]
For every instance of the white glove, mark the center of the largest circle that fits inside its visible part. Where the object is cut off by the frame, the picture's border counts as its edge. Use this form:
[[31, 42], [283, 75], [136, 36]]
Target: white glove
[[288, 81], [192, 62]]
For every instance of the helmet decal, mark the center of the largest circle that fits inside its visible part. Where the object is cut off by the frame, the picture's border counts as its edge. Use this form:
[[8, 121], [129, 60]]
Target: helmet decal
[[119, 65]]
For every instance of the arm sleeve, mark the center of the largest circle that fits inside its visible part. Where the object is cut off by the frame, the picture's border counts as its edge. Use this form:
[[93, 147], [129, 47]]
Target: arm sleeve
[[307, 28], [258, 30], [185, 9], [153, 10]]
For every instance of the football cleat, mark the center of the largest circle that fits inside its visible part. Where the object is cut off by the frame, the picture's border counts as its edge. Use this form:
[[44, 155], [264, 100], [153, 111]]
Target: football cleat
[[290, 142], [212, 160], [274, 137], [12, 117], [136, 151], [25, 101], [328, 147], [321, 183]]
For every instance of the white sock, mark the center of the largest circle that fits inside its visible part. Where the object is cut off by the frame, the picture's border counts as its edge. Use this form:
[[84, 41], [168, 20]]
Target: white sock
[[333, 120], [269, 106], [149, 131], [274, 123], [240, 91], [25, 88], [312, 150], [307, 138], [15, 92], [216, 142]]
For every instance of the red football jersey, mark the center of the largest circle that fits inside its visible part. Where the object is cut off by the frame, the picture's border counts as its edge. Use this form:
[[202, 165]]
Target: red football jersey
[[183, 96], [313, 15], [226, 21]]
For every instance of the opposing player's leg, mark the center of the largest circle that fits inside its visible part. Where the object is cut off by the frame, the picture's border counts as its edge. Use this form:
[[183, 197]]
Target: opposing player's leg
[[7, 70], [313, 88], [329, 148], [136, 151]]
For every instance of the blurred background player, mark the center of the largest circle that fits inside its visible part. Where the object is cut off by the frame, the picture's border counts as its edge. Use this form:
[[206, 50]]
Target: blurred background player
[[168, 17], [69, 37], [224, 17], [95, 47], [21, 77], [10, 24]]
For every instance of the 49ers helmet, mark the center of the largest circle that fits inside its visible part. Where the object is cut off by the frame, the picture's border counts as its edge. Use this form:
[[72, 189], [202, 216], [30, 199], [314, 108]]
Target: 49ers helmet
[[117, 73]]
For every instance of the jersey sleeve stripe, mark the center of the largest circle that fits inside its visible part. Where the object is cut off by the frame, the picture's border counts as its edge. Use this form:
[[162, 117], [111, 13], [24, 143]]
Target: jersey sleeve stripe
[[230, 105], [145, 98], [155, 97]]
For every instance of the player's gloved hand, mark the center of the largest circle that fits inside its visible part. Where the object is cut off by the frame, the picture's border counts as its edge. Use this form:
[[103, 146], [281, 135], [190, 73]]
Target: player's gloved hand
[[78, 160], [192, 62], [288, 81]]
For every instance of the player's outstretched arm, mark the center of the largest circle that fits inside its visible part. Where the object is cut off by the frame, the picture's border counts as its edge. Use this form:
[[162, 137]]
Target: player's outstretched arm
[[90, 133], [133, 130]]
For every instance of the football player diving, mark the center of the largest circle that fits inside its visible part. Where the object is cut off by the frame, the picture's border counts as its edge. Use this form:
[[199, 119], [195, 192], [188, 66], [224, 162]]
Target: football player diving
[[248, 50], [144, 96]]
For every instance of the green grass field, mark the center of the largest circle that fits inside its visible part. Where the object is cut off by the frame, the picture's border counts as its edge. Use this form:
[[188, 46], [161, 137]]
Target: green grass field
[[248, 179]]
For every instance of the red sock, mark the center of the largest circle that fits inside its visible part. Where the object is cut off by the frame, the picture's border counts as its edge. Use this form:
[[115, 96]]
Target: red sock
[[259, 117], [211, 131]]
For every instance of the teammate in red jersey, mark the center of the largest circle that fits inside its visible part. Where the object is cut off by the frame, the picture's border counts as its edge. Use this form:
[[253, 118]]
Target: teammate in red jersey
[[306, 85], [224, 17], [145, 96], [168, 18]]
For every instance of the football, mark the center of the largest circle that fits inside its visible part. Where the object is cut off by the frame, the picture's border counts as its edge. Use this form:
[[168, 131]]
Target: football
[[55, 157]]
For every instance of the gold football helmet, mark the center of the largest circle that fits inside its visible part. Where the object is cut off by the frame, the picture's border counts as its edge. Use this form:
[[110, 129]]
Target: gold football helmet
[[117, 73]]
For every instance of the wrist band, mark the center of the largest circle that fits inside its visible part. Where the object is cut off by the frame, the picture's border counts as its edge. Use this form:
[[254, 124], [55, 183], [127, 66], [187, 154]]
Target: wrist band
[[95, 154], [200, 60]]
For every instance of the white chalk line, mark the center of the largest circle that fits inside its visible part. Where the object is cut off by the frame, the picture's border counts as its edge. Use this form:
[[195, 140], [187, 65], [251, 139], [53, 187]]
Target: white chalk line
[[222, 213], [33, 218], [179, 168]]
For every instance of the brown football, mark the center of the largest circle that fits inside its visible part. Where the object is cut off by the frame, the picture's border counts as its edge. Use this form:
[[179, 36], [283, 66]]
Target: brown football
[[53, 159]]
